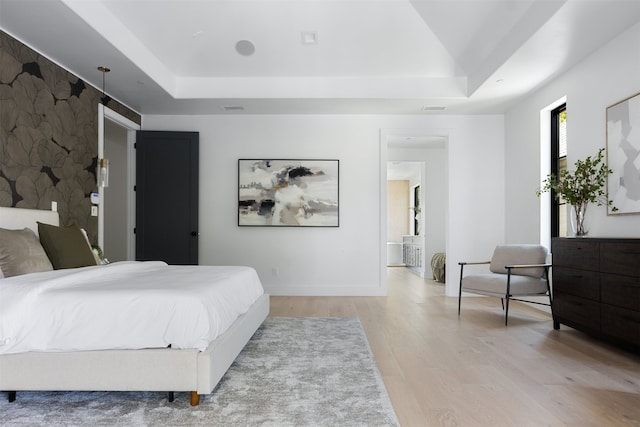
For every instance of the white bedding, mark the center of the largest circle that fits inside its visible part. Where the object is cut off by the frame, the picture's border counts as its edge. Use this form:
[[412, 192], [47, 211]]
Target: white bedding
[[124, 305]]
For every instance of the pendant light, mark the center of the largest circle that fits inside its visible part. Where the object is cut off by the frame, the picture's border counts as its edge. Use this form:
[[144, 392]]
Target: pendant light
[[103, 164], [105, 99]]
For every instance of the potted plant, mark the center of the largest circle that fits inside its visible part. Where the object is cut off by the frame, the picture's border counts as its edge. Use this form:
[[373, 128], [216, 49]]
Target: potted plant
[[580, 187]]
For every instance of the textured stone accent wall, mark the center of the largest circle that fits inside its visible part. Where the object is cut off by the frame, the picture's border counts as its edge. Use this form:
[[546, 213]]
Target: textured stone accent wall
[[48, 135]]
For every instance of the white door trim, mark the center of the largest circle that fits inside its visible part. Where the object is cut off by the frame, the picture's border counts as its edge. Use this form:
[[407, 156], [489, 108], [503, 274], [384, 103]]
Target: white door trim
[[131, 127]]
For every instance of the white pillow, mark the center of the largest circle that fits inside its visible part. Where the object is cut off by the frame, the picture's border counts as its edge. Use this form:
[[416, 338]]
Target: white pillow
[[95, 255]]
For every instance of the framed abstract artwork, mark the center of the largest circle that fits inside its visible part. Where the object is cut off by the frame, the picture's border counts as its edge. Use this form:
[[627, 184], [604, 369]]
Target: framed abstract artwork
[[623, 155], [288, 193]]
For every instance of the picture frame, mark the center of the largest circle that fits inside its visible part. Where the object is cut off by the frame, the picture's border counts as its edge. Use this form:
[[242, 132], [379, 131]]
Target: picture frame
[[288, 193], [623, 156]]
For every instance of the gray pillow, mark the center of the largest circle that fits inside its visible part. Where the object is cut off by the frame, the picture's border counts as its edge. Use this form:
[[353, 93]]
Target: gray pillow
[[65, 246], [21, 253]]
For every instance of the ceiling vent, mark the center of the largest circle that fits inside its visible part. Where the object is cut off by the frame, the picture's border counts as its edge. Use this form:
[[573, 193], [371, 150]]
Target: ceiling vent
[[233, 108], [433, 108]]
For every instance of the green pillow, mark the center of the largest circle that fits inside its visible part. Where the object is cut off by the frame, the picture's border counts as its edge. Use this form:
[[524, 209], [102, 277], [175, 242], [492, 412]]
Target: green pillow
[[66, 247]]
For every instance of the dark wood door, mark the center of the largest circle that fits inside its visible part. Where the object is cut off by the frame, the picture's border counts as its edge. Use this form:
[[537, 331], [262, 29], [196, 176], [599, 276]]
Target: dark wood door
[[167, 197]]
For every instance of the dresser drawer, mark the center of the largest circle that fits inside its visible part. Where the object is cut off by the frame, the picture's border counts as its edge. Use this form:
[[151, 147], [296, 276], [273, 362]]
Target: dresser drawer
[[620, 258], [581, 283], [622, 291], [577, 253], [621, 323], [579, 311]]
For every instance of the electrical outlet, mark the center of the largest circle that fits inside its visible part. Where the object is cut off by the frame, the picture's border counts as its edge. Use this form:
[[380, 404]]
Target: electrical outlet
[[54, 206], [94, 211]]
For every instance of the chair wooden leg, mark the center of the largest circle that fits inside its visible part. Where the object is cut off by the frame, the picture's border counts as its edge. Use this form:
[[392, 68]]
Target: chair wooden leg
[[12, 396], [170, 396], [195, 398]]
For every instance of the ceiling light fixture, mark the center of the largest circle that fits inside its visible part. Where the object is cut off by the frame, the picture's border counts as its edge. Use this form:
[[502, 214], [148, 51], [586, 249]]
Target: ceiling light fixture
[[105, 99], [102, 173], [309, 37], [245, 48]]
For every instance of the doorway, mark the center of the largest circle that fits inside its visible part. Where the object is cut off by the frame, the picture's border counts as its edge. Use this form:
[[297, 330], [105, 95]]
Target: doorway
[[426, 213], [116, 208], [404, 215]]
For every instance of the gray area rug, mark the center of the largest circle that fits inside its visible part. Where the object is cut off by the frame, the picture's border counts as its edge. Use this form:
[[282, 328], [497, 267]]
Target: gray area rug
[[293, 372]]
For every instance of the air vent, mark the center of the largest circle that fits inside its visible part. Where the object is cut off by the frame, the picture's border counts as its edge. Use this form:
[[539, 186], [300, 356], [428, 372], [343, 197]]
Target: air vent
[[232, 108], [433, 108]]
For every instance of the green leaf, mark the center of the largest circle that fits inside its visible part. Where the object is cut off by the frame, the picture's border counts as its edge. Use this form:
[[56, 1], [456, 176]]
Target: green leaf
[[584, 185]]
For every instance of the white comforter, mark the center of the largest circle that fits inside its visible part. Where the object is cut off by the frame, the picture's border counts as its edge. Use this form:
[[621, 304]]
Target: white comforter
[[124, 305]]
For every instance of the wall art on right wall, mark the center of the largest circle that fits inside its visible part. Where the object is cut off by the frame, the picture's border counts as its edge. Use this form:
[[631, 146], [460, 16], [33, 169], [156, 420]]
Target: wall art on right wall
[[623, 155]]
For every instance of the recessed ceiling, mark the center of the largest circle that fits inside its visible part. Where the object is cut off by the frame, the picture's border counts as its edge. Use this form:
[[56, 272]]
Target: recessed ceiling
[[370, 56]]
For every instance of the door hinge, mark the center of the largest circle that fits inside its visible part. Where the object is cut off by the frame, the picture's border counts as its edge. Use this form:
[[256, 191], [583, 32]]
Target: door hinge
[[135, 188], [134, 230]]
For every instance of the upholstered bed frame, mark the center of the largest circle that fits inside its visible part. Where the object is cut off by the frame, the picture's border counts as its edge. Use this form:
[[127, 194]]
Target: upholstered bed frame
[[167, 369]]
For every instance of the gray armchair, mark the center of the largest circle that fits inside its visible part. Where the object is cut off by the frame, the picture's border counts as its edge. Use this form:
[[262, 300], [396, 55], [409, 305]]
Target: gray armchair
[[515, 271]]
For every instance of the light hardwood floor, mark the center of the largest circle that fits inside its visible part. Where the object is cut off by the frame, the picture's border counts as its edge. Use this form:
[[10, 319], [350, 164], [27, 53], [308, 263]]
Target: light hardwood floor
[[443, 370]]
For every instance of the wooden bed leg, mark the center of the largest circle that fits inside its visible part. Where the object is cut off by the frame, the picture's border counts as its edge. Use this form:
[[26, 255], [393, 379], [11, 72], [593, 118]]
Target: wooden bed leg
[[170, 396], [195, 398], [12, 396]]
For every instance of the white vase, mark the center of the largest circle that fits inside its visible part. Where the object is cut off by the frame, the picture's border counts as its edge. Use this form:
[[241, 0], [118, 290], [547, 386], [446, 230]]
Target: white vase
[[579, 220]]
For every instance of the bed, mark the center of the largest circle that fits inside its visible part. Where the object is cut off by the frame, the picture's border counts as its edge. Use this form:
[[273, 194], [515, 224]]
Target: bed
[[197, 368]]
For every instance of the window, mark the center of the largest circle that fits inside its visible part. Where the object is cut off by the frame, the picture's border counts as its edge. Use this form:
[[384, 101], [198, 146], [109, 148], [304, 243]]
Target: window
[[559, 208]]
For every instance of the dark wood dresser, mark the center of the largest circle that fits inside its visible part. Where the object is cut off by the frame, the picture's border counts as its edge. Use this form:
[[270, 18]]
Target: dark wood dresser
[[596, 287]]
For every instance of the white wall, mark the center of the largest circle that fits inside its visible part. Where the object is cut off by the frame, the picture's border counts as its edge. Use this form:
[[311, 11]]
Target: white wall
[[607, 76], [346, 260]]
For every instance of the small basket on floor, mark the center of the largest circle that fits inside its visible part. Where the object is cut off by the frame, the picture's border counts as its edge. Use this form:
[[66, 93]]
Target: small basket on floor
[[438, 264]]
